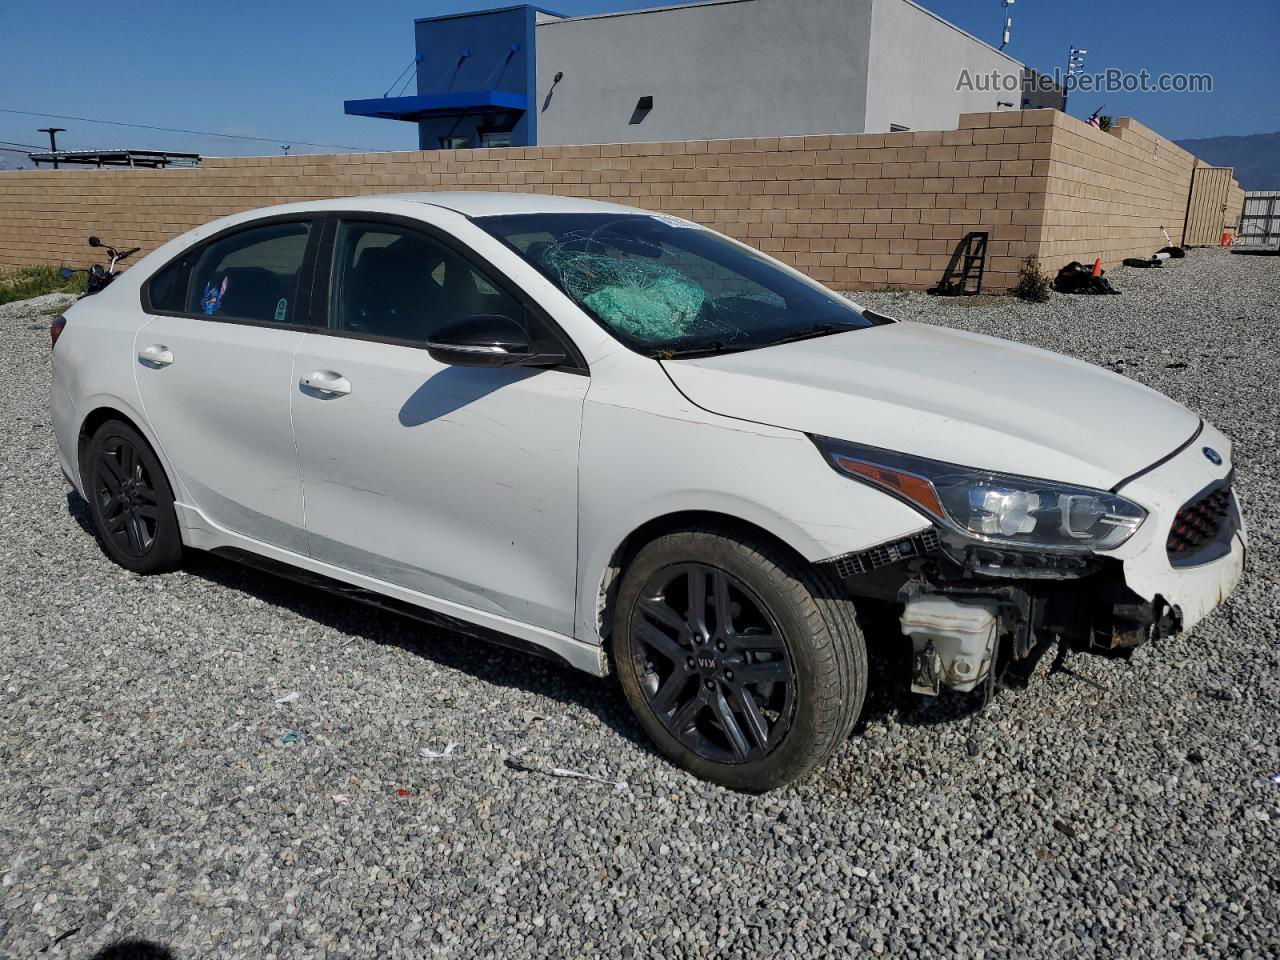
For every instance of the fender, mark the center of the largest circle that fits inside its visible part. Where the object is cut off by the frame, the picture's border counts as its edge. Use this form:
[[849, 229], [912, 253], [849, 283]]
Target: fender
[[94, 368], [138, 420], [772, 479]]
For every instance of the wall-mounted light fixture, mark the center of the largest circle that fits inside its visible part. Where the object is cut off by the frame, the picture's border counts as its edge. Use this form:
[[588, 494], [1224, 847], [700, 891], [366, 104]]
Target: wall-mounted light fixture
[[546, 101], [643, 106]]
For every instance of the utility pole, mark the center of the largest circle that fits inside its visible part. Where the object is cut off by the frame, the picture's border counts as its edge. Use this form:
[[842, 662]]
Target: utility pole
[[53, 140], [1008, 22], [1075, 61]]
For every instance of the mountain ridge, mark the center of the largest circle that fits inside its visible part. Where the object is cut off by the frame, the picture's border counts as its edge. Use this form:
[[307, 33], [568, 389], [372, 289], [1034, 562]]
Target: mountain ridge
[[1255, 157]]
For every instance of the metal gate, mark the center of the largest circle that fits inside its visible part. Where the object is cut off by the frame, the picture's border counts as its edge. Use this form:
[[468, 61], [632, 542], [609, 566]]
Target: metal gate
[[1260, 222], [1207, 209]]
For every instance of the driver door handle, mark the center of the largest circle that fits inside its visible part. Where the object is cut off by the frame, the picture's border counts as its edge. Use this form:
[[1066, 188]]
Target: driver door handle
[[326, 384], [156, 355]]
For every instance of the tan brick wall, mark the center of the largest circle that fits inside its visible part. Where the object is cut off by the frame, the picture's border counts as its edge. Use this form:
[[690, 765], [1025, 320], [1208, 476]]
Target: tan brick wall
[[852, 210], [1235, 207], [1110, 193]]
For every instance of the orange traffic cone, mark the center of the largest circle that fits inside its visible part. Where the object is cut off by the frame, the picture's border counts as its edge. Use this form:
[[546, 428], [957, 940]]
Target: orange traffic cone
[[1097, 267]]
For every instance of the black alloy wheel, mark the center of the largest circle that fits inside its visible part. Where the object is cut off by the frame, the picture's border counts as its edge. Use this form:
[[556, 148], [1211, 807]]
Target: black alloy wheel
[[126, 498], [742, 661], [713, 664], [131, 500]]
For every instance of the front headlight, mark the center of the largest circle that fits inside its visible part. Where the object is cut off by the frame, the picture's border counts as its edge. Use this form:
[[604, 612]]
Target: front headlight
[[997, 507]]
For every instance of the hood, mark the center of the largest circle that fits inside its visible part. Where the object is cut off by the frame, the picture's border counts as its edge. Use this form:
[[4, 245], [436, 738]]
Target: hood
[[948, 395]]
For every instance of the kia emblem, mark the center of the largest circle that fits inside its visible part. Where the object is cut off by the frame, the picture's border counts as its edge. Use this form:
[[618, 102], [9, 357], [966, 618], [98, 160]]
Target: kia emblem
[[1212, 456]]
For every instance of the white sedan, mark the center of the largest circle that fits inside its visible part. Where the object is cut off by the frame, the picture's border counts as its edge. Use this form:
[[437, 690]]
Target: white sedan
[[634, 444]]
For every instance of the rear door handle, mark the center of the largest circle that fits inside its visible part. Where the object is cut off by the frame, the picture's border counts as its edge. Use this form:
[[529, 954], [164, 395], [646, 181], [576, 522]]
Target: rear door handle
[[156, 355], [326, 384]]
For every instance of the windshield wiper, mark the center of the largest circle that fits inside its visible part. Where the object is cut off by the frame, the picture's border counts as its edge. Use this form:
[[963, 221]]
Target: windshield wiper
[[817, 330], [709, 348], [700, 348]]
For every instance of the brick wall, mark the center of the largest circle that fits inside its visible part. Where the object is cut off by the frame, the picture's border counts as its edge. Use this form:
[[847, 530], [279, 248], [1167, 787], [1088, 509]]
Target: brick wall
[[1235, 207], [1109, 193], [852, 210]]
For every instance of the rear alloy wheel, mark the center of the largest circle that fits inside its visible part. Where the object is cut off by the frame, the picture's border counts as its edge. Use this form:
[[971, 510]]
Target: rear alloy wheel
[[131, 501], [743, 664]]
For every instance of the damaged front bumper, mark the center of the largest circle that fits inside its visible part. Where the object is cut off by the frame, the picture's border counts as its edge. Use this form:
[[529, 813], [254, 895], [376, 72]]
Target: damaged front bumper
[[969, 607]]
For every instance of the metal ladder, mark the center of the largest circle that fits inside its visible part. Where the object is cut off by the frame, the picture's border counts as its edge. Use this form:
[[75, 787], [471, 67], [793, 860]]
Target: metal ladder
[[971, 255]]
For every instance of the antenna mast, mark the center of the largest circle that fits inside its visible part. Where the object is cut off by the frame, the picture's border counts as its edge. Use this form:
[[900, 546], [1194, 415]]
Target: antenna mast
[[1008, 22]]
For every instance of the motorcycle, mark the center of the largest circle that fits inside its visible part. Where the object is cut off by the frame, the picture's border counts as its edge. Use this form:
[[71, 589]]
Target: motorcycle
[[98, 276]]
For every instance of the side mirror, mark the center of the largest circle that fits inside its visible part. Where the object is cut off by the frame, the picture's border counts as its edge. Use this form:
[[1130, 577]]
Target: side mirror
[[95, 242], [487, 340], [66, 273]]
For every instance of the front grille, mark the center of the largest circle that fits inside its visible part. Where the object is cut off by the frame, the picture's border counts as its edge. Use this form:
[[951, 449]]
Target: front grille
[[864, 561], [1201, 524]]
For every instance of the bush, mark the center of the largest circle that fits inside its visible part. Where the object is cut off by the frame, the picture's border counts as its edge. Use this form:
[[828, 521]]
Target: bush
[[1033, 283], [35, 282]]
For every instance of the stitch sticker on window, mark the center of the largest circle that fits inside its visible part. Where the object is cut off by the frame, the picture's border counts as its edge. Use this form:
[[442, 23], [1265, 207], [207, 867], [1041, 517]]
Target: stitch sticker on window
[[282, 309], [212, 298]]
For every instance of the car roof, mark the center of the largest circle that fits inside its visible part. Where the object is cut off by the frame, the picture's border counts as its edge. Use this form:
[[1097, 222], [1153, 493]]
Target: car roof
[[477, 203], [471, 203]]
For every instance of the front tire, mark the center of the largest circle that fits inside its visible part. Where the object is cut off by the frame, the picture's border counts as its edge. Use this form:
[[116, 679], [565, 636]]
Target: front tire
[[743, 663], [130, 499]]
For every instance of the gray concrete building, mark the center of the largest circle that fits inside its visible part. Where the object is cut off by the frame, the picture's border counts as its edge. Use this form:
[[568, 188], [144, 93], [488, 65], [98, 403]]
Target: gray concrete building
[[523, 75]]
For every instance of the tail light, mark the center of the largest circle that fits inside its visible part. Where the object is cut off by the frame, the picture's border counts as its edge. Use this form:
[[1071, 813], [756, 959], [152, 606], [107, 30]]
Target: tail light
[[55, 330]]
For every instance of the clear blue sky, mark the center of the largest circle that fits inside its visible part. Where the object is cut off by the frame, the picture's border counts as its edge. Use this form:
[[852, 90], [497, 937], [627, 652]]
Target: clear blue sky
[[281, 68]]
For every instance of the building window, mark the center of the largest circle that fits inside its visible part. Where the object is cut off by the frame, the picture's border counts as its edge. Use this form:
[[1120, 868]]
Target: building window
[[898, 128], [454, 143], [497, 139]]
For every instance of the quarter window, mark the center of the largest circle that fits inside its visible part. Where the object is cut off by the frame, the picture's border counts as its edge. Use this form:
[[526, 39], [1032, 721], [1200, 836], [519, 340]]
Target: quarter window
[[165, 289], [396, 282], [250, 275]]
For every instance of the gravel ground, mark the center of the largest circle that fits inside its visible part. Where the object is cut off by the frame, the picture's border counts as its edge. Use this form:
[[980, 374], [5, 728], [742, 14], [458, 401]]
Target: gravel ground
[[154, 788]]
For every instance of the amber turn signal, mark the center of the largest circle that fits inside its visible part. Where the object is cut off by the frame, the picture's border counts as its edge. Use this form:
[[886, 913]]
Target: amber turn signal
[[916, 489]]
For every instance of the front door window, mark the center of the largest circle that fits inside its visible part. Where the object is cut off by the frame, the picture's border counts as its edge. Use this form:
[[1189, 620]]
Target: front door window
[[399, 283]]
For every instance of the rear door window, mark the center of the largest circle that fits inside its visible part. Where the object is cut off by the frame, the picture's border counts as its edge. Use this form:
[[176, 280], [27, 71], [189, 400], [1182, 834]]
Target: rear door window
[[252, 275]]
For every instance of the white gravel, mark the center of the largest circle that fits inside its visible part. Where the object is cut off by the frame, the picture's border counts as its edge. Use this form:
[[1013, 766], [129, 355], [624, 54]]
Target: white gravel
[[149, 788]]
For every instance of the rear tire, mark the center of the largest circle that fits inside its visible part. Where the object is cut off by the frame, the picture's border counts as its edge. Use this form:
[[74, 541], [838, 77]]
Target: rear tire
[[130, 499], [743, 663]]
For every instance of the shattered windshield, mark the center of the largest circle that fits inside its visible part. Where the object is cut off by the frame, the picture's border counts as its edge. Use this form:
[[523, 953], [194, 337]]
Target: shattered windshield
[[669, 288]]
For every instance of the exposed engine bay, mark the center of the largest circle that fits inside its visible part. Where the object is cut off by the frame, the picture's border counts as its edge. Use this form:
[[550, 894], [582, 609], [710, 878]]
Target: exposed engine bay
[[970, 609]]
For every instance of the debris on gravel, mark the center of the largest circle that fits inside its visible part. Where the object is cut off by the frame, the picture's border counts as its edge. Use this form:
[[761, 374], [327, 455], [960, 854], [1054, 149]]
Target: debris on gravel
[[160, 783]]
